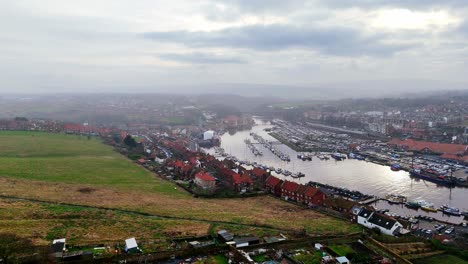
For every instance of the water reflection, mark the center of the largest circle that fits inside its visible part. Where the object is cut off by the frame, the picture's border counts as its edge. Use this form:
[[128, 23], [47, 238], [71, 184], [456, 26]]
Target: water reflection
[[358, 175]]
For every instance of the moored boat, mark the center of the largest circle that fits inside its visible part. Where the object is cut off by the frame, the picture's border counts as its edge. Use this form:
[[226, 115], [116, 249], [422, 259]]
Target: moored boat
[[413, 204], [396, 199], [450, 210], [337, 156], [395, 167], [429, 207], [432, 177]]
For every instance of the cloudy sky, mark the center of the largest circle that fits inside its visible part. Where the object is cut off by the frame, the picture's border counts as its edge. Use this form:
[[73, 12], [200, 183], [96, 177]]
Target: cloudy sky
[[149, 45]]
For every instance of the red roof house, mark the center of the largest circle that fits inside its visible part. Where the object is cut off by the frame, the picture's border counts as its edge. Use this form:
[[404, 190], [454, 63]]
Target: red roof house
[[289, 189], [273, 185], [205, 180], [259, 176], [231, 121], [313, 196], [242, 183]]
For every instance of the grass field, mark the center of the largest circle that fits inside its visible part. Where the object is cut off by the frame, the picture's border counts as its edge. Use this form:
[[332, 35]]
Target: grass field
[[440, 259], [72, 159], [341, 250], [42, 223], [72, 169]]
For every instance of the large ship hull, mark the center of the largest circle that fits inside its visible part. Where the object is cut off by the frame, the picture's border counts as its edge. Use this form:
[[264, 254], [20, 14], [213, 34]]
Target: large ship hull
[[431, 178]]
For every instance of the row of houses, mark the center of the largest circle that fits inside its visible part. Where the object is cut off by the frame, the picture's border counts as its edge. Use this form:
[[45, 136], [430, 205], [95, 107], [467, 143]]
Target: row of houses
[[293, 191], [208, 172], [352, 210]]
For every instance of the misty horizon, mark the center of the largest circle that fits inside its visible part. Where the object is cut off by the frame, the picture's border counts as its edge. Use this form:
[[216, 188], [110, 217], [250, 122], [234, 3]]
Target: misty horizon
[[317, 49]]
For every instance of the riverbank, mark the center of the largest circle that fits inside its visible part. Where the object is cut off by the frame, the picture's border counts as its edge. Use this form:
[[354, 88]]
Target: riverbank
[[373, 177]]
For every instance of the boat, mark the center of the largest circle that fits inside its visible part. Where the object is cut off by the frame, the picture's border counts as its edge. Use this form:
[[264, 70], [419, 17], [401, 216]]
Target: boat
[[351, 155], [413, 204], [295, 175], [429, 207], [359, 157], [321, 157], [396, 199], [286, 173], [337, 156], [271, 168], [395, 167], [278, 170], [450, 210], [300, 174], [432, 176]]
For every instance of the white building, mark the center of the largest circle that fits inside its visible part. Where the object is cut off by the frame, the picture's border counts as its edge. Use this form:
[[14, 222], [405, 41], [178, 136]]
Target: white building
[[208, 135], [384, 223]]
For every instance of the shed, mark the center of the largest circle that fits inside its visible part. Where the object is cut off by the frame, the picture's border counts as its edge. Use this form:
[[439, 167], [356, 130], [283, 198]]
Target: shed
[[131, 245], [225, 235], [246, 241], [58, 247], [318, 246], [342, 260]]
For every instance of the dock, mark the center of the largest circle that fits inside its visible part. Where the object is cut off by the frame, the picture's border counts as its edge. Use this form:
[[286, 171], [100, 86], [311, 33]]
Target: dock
[[370, 200]]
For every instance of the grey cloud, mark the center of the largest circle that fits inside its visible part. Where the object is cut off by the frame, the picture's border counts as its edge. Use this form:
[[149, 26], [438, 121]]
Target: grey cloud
[[340, 41], [412, 4], [463, 29], [265, 5], [234, 9], [201, 58]]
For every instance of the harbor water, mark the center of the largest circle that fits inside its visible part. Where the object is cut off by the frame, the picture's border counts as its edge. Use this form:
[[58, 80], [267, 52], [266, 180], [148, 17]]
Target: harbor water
[[363, 176]]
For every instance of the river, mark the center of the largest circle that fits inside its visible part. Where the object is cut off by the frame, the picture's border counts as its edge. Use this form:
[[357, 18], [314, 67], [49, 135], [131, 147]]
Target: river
[[363, 176]]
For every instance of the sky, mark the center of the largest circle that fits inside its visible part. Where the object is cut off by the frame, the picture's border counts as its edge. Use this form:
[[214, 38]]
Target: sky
[[152, 46]]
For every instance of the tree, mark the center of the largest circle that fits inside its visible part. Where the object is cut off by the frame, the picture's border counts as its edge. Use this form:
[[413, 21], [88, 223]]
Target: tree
[[130, 141], [12, 245]]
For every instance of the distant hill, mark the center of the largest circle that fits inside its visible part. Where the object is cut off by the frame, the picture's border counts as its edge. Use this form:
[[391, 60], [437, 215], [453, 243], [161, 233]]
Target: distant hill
[[328, 91]]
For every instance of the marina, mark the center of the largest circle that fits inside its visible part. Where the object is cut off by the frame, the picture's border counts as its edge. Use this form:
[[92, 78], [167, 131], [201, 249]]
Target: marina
[[349, 174]]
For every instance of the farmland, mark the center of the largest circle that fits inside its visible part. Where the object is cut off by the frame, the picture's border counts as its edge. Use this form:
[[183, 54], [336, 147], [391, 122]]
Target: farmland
[[72, 159], [75, 170]]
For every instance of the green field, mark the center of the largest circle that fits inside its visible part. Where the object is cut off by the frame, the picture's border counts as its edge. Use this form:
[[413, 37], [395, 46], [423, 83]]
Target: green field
[[440, 259], [341, 250], [72, 159], [76, 170]]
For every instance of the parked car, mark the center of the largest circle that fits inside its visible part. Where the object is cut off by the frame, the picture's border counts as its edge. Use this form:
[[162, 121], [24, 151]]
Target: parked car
[[449, 231]]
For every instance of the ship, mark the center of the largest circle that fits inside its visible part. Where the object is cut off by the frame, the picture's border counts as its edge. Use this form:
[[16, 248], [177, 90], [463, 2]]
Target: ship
[[432, 176]]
